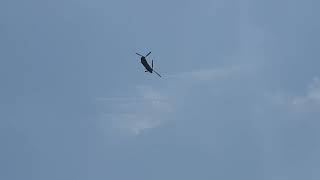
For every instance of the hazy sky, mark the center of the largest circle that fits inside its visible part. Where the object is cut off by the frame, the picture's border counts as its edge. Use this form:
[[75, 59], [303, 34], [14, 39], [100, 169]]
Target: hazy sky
[[239, 97]]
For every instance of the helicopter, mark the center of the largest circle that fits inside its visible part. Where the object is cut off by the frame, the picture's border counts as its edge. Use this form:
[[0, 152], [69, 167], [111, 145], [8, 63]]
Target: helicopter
[[144, 62]]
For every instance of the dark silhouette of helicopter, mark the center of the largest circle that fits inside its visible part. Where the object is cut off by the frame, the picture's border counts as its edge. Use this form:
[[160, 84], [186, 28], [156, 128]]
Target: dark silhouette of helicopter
[[144, 62]]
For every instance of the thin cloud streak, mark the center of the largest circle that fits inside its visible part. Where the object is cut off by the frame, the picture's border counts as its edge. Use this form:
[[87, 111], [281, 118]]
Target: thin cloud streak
[[211, 73], [127, 99]]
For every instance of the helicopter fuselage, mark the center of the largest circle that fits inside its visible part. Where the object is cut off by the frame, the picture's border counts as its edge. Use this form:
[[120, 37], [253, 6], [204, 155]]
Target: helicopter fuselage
[[144, 62]]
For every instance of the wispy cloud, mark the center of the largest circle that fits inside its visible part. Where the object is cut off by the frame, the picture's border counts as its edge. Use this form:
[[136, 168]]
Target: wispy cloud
[[150, 108], [311, 100], [134, 115], [308, 102]]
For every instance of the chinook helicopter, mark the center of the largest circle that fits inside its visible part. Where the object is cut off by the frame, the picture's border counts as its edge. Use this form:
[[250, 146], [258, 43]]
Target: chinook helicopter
[[146, 65]]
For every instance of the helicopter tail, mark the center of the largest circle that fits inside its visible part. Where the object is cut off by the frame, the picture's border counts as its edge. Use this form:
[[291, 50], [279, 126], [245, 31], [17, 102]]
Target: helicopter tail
[[157, 73]]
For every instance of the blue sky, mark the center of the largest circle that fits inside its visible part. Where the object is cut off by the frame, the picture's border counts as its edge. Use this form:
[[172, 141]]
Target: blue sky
[[239, 97]]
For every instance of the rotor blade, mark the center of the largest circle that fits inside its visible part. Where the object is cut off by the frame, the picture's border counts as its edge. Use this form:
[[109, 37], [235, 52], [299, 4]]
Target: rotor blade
[[157, 73], [148, 54], [139, 54], [152, 63]]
